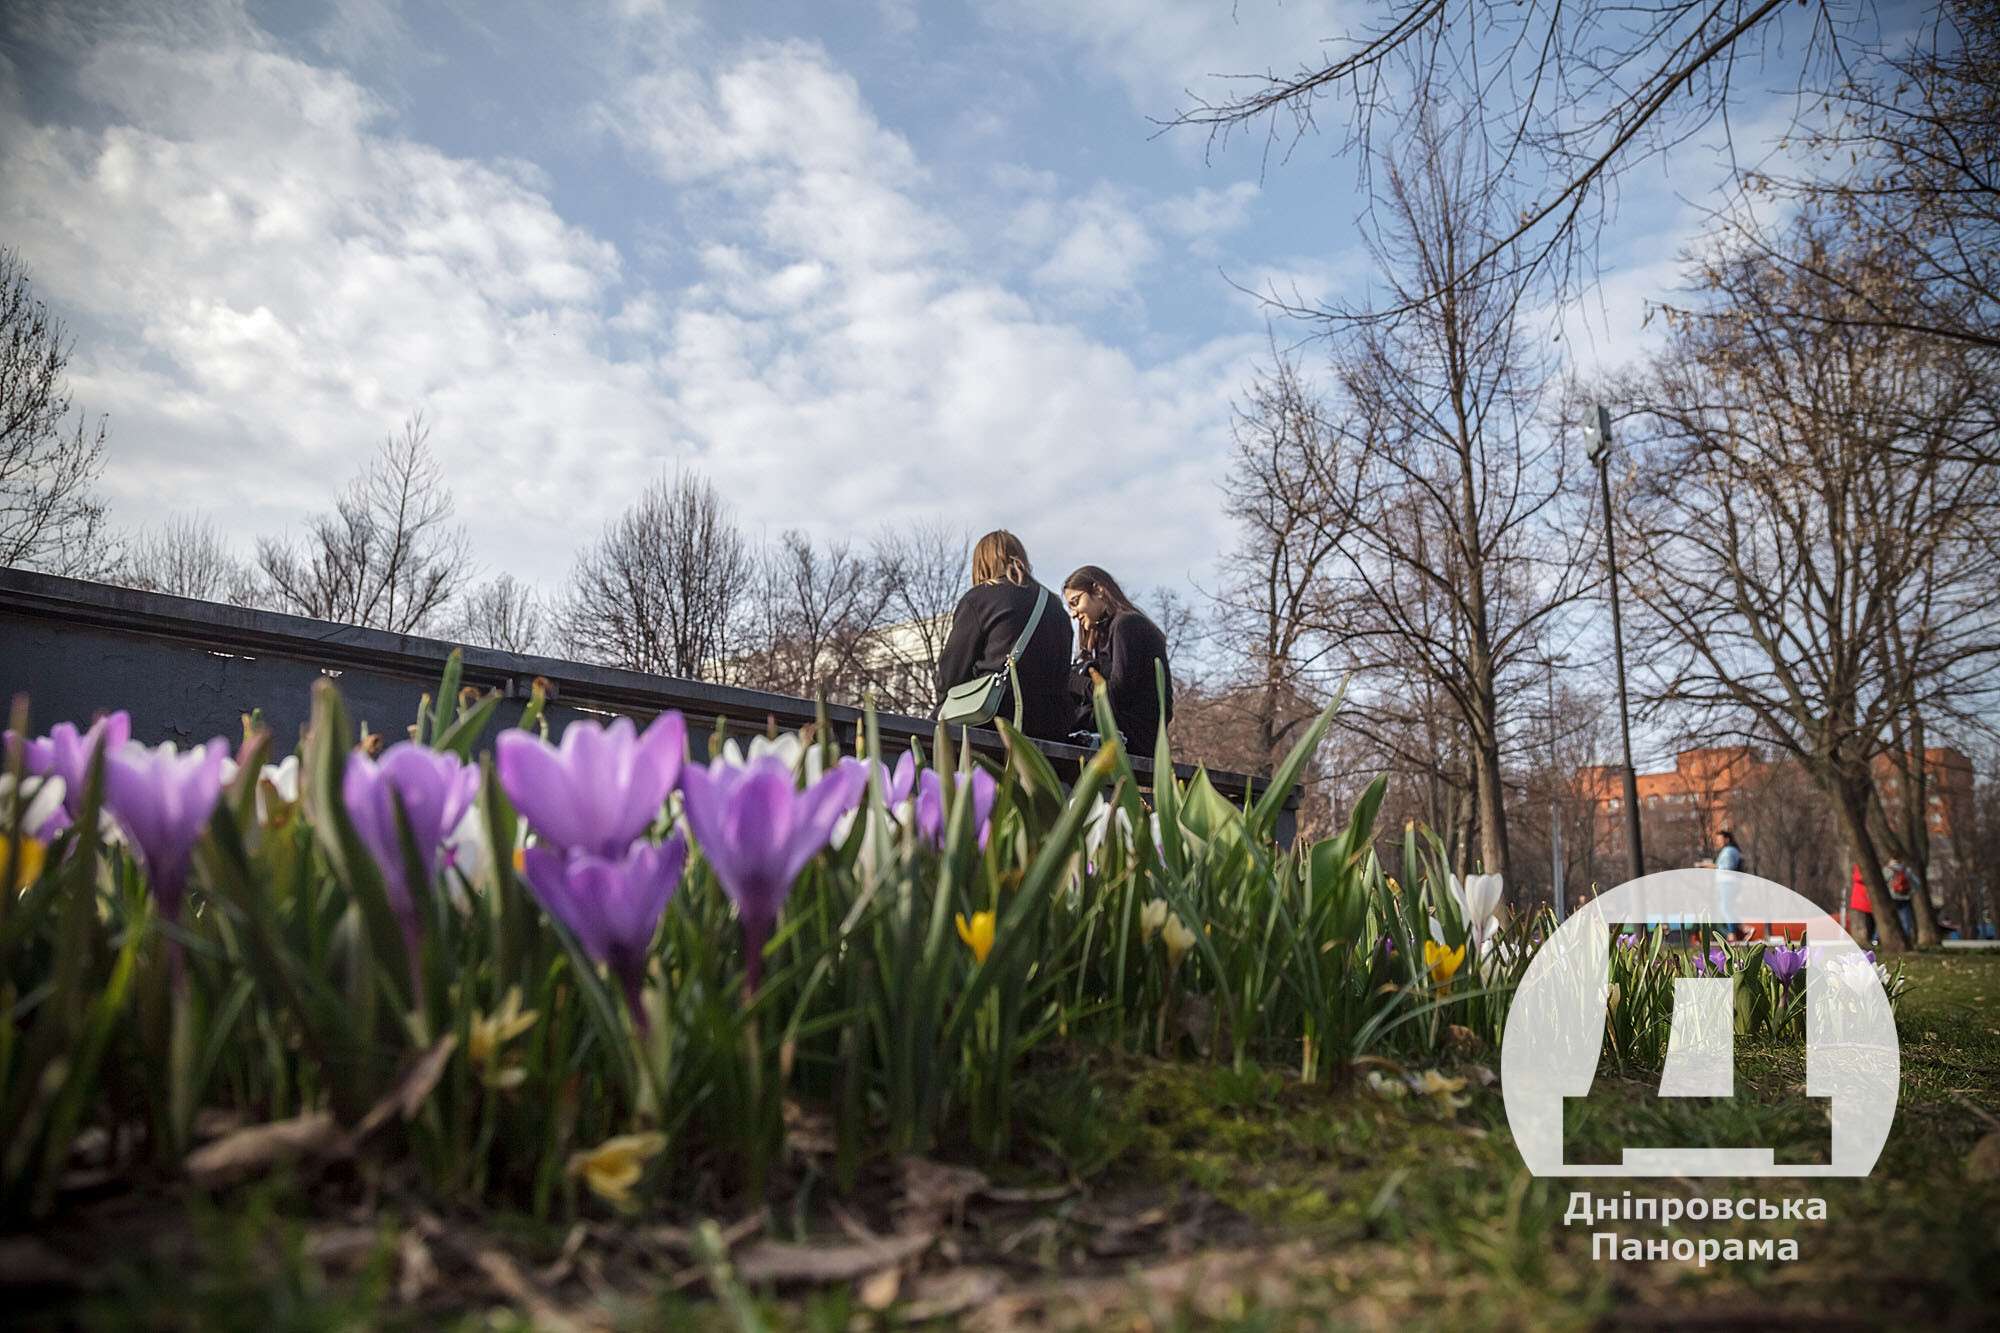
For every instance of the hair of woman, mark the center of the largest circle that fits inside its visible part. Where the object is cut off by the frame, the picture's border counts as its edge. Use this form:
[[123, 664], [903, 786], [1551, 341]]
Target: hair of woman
[[999, 557], [1093, 579]]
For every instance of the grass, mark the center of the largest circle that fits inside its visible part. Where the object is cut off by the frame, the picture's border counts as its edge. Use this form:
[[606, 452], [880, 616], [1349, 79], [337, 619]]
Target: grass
[[1244, 1200], [1456, 1231]]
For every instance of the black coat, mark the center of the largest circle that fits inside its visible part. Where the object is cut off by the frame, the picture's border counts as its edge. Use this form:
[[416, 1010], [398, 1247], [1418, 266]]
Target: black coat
[[983, 629], [1124, 656]]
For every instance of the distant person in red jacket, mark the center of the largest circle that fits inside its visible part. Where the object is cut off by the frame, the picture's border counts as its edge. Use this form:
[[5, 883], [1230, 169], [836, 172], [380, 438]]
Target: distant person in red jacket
[[1860, 915]]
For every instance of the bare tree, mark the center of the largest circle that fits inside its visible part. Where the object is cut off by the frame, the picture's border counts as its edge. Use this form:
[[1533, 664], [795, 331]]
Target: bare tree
[[1447, 489], [1976, 846], [663, 588], [185, 556], [388, 556], [1567, 93], [1566, 734], [1812, 544], [49, 518], [925, 568], [818, 610], [1185, 629], [1790, 833], [1918, 133], [1286, 495], [501, 613]]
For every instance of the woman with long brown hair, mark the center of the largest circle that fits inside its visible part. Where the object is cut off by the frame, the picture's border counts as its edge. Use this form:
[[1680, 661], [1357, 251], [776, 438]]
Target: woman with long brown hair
[[990, 620], [1118, 646]]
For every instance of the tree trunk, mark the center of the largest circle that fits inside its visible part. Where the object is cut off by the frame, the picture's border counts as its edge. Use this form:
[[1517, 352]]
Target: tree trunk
[[1492, 810], [1852, 801], [1992, 901], [1917, 832]]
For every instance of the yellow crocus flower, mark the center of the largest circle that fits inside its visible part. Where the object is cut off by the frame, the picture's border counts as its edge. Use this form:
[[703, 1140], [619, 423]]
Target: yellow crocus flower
[[977, 933], [1446, 1090], [1442, 962], [614, 1166], [26, 856], [1178, 939], [1151, 918], [488, 1034]]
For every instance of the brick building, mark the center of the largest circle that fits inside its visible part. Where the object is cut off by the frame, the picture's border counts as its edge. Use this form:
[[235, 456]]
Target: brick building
[[1731, 786]]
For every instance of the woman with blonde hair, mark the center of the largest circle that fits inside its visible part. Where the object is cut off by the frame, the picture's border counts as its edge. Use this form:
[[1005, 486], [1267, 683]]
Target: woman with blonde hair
[[1123, 650], [988, 627]]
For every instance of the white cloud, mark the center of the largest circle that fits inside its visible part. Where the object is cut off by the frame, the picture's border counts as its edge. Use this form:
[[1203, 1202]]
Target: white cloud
[[1302, 283], [899, 17], [1206, 213], [785, 128], [272, 274], [910, 382], [273, 279], [1101, 246], [1162, 51], [358, 31]]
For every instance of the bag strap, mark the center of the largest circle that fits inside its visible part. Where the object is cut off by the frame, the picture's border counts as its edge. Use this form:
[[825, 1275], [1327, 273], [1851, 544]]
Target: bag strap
[[1034, 619], [1020, 646]]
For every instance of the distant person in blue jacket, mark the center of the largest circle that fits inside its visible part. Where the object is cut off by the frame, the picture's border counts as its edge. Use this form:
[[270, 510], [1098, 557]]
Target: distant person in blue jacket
[[1729, 859]]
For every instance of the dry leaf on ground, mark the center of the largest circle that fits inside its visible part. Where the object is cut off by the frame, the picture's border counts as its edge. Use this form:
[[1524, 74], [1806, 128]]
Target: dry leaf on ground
[[781, 1262], [245, 1152]]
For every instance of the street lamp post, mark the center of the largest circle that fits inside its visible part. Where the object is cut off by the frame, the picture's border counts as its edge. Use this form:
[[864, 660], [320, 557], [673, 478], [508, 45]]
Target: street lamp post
[[1555, 800], [1598, 450]]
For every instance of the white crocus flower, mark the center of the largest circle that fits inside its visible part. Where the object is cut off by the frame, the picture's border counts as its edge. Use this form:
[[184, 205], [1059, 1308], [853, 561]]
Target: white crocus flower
[[284, 778], [1478, 900], [469, 850], [40, 798], [785, 745], [1393, 1089], [280, 779], [1102, 819]]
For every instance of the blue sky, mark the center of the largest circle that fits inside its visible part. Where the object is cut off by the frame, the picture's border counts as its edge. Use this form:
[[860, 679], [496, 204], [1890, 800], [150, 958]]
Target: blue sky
[[858, 263]]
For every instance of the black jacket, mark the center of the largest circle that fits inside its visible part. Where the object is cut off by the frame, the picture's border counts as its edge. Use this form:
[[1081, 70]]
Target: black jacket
[[1124, 656], [983, 630]]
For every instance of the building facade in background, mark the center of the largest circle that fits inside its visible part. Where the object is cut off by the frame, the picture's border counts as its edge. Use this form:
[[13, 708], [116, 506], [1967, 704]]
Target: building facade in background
[[1787, 828]]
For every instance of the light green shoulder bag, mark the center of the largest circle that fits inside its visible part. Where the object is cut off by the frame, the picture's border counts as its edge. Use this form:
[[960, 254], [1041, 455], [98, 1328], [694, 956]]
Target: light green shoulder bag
[[977, 702]]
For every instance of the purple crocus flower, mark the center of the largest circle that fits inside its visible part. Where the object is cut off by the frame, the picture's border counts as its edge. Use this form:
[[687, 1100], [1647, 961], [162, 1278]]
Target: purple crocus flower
[[70, 751], [899, 786], [612, 907], [758, 830], [37, 753], [1628, 941], [1716, 960], [1785, 964], [896, 783], [435, 789], [930, 802], [162, 797], [601, 789]]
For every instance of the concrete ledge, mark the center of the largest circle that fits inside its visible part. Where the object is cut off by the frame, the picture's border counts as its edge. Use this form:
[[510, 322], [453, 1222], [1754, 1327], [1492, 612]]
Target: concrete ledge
[[187, 670]]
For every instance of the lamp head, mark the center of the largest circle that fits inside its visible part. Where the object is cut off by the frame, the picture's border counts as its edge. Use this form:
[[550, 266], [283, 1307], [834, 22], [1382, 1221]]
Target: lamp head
[[1597, 434]]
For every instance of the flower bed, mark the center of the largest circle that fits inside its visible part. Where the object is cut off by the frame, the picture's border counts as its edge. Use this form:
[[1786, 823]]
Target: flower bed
[[601, 975]]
